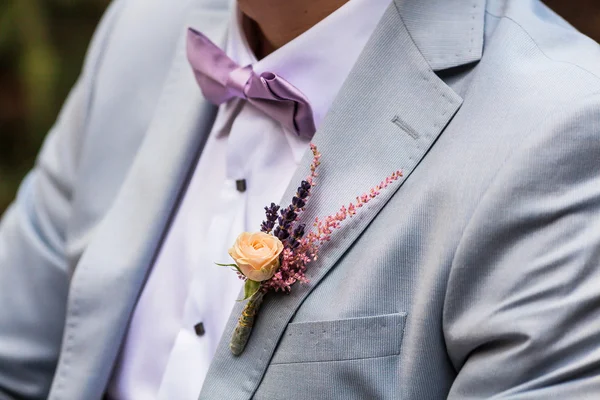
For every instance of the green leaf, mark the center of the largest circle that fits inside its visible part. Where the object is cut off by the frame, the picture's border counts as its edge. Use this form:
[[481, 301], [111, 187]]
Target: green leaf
[[227, 265], [250, 288], [234, 267]]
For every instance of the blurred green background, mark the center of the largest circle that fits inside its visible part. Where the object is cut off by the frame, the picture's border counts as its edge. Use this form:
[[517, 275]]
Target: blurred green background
[[42, 45]]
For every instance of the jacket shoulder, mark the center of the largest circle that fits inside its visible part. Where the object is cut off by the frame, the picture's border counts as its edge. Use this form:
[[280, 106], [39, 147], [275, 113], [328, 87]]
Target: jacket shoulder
[[560, 45]]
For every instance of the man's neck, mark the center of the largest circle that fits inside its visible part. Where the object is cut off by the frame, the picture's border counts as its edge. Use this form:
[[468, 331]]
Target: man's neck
[[271, 24]]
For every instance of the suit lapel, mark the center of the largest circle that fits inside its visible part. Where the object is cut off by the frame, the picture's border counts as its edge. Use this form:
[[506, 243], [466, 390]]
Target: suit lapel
[[388, 114], [111, 272]]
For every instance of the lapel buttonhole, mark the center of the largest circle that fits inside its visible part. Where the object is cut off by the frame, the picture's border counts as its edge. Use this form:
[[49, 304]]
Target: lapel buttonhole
[[405, 127]]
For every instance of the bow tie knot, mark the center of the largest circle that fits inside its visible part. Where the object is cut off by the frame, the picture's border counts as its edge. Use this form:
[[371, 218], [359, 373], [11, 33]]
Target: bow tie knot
[[222, 79]]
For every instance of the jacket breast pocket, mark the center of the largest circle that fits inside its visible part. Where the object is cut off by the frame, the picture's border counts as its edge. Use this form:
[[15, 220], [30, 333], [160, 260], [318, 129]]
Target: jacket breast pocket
[[352, 358]]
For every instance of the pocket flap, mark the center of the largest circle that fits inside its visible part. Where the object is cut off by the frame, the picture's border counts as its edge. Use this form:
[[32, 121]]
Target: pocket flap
[[343, 339]]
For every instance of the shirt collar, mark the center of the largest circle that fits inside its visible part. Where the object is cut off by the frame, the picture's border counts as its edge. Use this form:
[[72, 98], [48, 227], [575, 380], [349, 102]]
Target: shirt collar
[[318, 61]]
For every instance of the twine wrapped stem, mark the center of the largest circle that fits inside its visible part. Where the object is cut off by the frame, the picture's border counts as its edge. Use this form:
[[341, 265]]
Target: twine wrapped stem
[[242, 331]]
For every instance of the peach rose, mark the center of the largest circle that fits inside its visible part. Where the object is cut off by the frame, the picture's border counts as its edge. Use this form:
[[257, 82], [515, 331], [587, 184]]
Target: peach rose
[[257, 255]]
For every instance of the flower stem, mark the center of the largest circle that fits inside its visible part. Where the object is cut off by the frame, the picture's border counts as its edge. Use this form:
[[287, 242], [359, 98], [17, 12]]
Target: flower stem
[[242, 331]]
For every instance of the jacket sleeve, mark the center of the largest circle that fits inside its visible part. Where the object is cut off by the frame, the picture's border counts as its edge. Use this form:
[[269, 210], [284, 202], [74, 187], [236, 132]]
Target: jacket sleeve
[[522, 312], [34, 272]]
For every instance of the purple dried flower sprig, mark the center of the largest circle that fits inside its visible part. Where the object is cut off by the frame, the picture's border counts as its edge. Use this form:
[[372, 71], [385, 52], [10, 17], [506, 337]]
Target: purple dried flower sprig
[[271, 213], [290, 214]]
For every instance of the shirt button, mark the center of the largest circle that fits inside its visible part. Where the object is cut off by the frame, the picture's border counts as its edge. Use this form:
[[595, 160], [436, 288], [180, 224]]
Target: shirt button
[[199, 329], [240, 185]]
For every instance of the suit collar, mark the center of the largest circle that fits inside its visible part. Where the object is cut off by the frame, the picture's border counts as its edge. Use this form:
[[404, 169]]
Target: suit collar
[[448, 33]]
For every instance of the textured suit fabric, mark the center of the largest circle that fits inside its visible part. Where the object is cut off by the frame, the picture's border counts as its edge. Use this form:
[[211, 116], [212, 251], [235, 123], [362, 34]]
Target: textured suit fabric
[[475, 276]]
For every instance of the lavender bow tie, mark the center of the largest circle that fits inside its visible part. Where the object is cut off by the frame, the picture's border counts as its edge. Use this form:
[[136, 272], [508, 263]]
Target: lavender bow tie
[[221, 79]]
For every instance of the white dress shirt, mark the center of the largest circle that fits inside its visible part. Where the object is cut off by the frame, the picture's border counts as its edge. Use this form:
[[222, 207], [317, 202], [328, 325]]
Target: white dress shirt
[[162, 356]]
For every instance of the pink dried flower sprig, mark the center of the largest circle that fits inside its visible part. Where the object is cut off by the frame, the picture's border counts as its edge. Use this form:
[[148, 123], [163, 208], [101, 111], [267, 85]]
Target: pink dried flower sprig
[[295, 259], [325, 227], [294, 263]]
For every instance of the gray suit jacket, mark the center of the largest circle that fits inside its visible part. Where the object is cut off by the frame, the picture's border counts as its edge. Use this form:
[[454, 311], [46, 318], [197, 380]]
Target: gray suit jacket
[[475, 276]]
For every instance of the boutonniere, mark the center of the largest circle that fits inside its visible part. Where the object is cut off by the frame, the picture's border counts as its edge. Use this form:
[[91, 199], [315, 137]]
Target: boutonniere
[[275, 258]]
